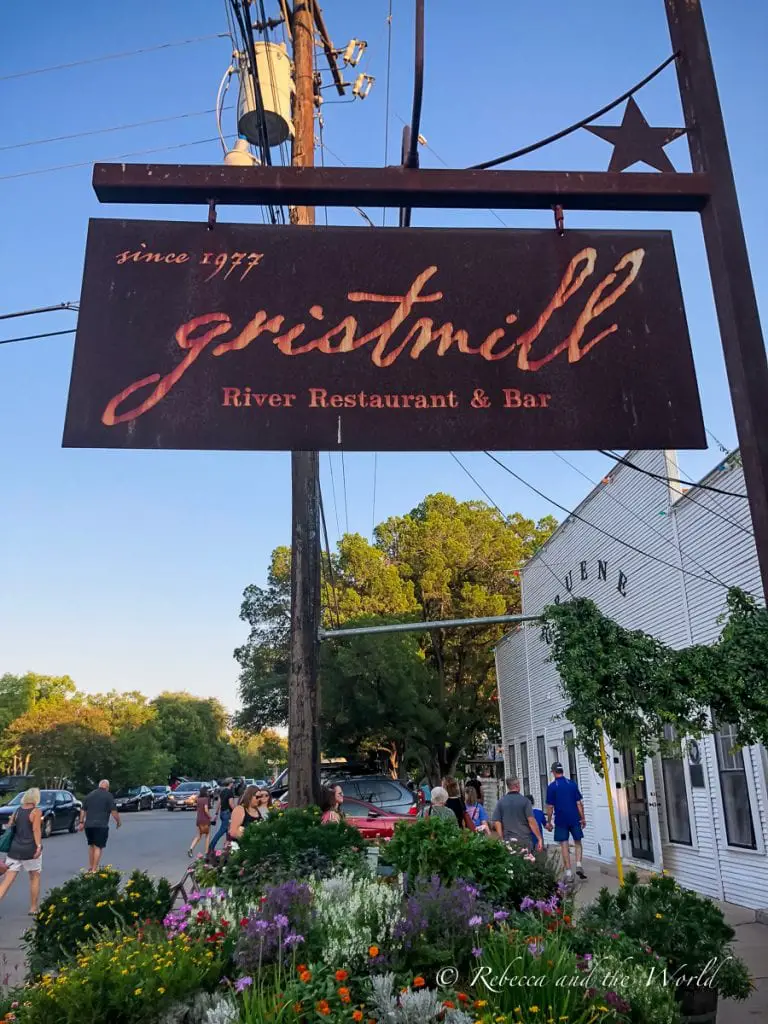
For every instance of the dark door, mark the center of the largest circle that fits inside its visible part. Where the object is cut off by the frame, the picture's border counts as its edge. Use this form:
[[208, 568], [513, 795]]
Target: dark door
[[637, 808]]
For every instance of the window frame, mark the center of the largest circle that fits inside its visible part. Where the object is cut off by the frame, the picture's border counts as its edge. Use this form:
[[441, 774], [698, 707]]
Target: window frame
[[670, 735], [525, 766], [569, 742], [512, 761], [717, 737], [541, 757]]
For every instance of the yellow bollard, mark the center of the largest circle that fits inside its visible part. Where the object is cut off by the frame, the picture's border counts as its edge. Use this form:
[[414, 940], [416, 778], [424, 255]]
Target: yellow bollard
[[611, 811]]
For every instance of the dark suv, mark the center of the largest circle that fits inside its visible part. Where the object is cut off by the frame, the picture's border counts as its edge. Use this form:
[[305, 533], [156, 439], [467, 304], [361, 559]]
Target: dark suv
[[60, 810], [391, 795]]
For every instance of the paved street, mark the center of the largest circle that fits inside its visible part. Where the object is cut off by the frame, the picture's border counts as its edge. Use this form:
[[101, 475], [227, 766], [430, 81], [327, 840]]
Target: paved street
[[154, 841]]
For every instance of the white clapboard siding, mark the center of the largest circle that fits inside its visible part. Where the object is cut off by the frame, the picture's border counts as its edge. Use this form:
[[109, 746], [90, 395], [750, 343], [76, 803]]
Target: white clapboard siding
[[664, 532]]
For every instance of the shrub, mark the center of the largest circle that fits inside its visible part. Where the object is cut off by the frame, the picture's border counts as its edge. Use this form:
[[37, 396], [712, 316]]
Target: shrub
[[430, 847], [440, 925], [125, 979], [686, 930], [87, 904], [290, 844]]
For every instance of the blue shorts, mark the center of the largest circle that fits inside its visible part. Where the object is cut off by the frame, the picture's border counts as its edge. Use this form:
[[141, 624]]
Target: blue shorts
[[563, 831]]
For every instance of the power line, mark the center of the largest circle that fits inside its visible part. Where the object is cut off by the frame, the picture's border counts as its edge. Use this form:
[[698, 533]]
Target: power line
[[113, 128], [504, 517], [599, 529], [33, 337], [331, 574], [574, 127], [333, 491], [121, 156], [719, 444], [667, 540], [344, 479], [670, 479], [112, 56], [373, 510], [73, 306]]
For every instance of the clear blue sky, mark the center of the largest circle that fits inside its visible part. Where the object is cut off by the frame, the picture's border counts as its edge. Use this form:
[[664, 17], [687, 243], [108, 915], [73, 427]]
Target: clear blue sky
[[126, 569]]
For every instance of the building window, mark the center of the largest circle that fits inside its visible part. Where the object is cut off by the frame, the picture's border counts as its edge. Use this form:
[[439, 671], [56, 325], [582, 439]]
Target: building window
[[512, 762], [675, 790], [524, 768], [541, 751], [733, 786], [570, 747]]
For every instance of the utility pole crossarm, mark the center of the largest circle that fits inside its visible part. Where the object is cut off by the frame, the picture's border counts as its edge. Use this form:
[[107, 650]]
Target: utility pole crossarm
[[423, 627]]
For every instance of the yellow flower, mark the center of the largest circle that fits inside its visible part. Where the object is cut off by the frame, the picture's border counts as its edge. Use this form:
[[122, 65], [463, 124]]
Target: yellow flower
[[86, 928], [124, 970], [137, 991], [161, 991], [533, 1009], [659, 917]]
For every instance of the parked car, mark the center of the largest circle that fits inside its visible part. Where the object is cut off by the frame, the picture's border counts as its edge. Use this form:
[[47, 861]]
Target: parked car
[[160, 793], [329, 770], [386, 793], [60, 810], [373, 822], [184, 797], [135, 798], [12, 784]]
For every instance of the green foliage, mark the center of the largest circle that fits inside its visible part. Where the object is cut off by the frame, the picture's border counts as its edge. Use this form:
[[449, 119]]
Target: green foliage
[[290, 844], [64, 739], [686, 930], [193, 731], [444, 559], [634, 684], [262, 754], [86, 905], [124, 979], [18, 696], [434, 847]]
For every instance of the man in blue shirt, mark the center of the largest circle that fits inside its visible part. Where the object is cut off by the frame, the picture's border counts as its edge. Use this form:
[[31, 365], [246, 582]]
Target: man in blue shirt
[[566, 803]]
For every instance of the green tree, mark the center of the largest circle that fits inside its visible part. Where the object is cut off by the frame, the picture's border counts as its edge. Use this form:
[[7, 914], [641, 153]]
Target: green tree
[[193, 732], [18, 695], [445, 559], [263, 754], [138, 753], [65, 740]]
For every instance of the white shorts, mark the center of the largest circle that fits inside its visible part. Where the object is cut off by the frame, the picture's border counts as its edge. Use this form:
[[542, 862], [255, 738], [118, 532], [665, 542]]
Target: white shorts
[[24, 865]]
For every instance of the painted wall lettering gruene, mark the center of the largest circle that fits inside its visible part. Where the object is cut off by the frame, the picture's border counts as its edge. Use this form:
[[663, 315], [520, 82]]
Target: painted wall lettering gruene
[[426, 339]]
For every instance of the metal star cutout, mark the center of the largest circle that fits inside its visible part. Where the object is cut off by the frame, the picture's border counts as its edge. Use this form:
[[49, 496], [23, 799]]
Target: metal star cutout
[[634, 141]]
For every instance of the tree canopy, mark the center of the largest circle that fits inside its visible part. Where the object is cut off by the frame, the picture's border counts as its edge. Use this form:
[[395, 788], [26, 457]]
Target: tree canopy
[[444, 559]]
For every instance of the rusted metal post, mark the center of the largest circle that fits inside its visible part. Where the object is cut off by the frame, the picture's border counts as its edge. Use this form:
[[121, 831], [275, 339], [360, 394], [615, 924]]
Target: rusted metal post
[[734, 292], [303, 710]]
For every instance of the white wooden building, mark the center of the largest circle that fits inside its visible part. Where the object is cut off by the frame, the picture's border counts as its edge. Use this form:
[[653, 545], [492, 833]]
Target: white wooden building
[[702, 816]]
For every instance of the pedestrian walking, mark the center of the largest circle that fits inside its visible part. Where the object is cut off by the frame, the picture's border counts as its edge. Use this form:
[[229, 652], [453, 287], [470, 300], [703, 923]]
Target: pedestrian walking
[[456, 802], [565, 801], [513, 817], [202, 821], [439, 809], [26, 850], [540, 817], [224, 811], [98, 807], [252, 809], [476, 812], [331, 801]]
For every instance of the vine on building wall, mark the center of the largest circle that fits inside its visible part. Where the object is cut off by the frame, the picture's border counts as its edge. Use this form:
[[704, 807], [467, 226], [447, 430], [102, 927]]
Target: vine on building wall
[[635, 685]]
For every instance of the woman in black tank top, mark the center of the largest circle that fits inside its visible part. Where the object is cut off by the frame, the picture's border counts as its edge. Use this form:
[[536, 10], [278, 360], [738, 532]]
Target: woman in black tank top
[[253, 808], [26, 850]]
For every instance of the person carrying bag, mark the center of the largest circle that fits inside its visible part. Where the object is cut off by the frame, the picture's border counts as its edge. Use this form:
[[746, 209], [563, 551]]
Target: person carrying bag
[[25, 847]]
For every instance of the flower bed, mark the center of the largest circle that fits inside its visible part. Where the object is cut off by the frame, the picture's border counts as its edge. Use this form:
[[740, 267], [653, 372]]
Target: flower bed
[[341, 945]]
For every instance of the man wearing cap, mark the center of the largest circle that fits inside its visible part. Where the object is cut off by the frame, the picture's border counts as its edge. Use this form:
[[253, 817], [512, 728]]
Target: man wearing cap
[[566, 803]]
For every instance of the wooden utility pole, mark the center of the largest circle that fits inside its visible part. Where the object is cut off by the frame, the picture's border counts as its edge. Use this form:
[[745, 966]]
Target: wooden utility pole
[[303, 710], [734, 292]]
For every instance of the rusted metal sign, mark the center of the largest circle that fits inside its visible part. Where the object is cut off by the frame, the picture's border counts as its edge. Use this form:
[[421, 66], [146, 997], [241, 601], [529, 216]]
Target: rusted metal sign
[[255, 337]]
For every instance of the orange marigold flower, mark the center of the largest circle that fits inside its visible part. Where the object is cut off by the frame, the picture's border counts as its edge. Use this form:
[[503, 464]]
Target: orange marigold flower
[[567, 918], [341, 975], [463, 997], [449, 1005], [373, 951], [297, 1007], [301, 967], [305, 976], [418, 982], [343, 994], [357, 1015], [323, 1008]]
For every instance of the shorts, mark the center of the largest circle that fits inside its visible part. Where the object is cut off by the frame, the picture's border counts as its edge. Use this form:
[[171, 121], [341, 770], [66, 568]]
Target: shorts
[[97, 836], [203, 827], [562, 832], [24, 865]]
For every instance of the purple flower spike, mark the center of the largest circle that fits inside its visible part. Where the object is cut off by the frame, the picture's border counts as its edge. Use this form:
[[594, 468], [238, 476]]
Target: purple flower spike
[[476, 921], [281, 920], [293, 939], [242, 983], [501, 915], [260, 925], [477, 952]]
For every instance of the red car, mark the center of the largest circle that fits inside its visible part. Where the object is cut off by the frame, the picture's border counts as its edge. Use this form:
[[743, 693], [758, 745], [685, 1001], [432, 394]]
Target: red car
[[371, 821]]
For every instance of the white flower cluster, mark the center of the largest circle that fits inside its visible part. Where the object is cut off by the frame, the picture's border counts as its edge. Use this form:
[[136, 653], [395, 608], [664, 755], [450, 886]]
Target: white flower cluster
[[356, 912]]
